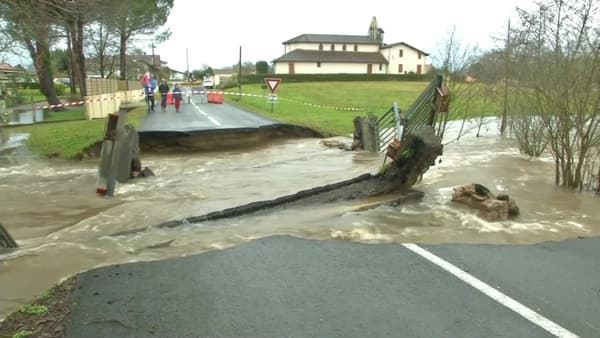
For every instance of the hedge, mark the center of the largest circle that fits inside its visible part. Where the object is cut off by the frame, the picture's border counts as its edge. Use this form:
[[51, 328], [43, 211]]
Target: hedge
[[253, 78]]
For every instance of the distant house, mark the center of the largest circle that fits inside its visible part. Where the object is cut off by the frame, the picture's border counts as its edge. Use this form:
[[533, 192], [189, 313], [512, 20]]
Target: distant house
[[349, 54], [224, 77], [137, 64], [7, 72]]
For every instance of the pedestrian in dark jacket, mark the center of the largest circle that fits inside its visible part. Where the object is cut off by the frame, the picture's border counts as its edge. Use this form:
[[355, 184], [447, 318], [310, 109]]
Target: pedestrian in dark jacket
[[149, 89], [177, 96], [163, 89]]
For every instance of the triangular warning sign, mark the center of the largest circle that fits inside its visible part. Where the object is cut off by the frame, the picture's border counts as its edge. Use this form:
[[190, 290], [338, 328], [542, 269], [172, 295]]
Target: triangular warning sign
[[272, 83]]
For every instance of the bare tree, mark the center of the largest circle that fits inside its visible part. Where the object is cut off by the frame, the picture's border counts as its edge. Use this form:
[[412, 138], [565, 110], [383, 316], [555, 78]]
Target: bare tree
[[102, 46], [457, 61], [455, 58], [557, 52]]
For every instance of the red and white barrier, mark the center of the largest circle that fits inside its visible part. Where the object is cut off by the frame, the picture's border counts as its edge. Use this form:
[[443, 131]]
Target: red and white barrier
[[217, 97]]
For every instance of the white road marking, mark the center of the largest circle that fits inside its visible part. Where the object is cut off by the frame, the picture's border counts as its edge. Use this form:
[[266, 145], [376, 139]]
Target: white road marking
[[491, 292], [211, 119]]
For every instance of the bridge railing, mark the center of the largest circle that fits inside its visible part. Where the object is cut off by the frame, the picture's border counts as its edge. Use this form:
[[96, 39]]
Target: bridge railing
[[389, 126], [425, 111]]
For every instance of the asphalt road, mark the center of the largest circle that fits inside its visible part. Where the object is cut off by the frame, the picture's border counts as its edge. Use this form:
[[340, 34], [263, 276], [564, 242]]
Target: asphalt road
[[288, 287], [199, 115]]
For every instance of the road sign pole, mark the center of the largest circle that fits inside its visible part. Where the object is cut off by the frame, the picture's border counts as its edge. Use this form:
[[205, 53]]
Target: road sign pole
[[272, 84]]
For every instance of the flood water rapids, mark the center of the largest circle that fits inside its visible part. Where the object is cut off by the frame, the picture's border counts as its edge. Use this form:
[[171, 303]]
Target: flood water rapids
[[62, 227]]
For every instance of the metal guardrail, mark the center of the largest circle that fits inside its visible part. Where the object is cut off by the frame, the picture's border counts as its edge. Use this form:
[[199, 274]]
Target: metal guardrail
[[425, 111], [389, 126]]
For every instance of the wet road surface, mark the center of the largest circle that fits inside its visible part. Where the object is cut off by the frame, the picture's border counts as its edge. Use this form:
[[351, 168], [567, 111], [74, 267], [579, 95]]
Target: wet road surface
[[288, 287], [200, 116]]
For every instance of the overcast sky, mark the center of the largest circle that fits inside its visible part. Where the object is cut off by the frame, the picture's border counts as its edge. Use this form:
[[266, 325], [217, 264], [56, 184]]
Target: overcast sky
[[212, 32]]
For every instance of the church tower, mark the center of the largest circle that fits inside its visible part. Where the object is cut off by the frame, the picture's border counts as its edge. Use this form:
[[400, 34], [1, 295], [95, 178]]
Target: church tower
[[375, 32]]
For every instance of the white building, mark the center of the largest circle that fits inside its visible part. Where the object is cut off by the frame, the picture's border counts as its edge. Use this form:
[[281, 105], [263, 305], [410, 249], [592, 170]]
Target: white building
[[349, 54]]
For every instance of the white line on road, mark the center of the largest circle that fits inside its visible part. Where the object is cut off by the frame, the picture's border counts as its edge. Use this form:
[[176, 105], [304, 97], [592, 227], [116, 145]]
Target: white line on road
[[214, 121], [491, 292]]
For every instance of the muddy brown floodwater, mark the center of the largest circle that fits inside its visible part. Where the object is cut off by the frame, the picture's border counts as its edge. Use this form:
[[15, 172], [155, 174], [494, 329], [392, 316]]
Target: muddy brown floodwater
[[62, 227]]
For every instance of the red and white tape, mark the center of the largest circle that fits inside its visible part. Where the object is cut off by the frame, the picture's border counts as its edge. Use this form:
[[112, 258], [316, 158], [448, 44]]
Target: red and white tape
[[78, 103]]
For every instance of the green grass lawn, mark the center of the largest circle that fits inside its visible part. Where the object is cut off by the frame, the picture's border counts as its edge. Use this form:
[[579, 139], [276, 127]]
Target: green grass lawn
[[77, 113], [68, 139], [32, 95], [313, 104]]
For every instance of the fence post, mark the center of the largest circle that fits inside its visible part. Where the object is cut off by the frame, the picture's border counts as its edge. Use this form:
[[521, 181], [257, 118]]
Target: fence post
[[106, 177], [87, 106], [434, 103], [123, 151], [397, 118]]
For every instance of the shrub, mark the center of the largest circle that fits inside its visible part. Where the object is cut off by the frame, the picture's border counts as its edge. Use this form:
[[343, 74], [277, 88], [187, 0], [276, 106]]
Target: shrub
[[255, 78], [12, 101], [34, 309], [22, 334], [60, 89]]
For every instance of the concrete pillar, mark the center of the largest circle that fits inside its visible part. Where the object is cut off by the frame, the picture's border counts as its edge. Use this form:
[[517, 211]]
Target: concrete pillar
[[105, 185], [370, 133], [109, 155], [121, 157]]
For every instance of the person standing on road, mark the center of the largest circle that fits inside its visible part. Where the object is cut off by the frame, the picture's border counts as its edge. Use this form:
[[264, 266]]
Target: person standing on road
[[177, 96], [163, 89], [145, 79], [149, 89]]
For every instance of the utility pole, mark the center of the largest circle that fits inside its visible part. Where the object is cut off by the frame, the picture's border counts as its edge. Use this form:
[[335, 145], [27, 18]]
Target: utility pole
[[187, 66], [240, 73], [153, 64], [506, 76]]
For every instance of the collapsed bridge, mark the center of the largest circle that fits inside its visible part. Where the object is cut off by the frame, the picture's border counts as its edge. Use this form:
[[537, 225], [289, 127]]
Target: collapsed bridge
[[412, 141]]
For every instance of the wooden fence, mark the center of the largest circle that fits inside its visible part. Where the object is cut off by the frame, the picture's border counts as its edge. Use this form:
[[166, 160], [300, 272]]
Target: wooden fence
[[97, 86], [106, 96]]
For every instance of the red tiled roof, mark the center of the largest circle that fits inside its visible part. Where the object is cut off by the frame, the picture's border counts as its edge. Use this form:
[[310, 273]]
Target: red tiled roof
[[6, 68], [303, 55]]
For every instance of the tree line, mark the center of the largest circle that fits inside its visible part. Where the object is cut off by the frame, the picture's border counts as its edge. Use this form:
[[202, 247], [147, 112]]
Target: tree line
[[545, 77], [103, 28]]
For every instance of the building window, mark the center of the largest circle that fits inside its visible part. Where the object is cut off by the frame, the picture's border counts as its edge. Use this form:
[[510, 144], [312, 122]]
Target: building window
[[332, 46], [356, 48], [380, 67], [318, 64], [400, 68], [401, 52], [419, 55], [320, 46], [344, 47]]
